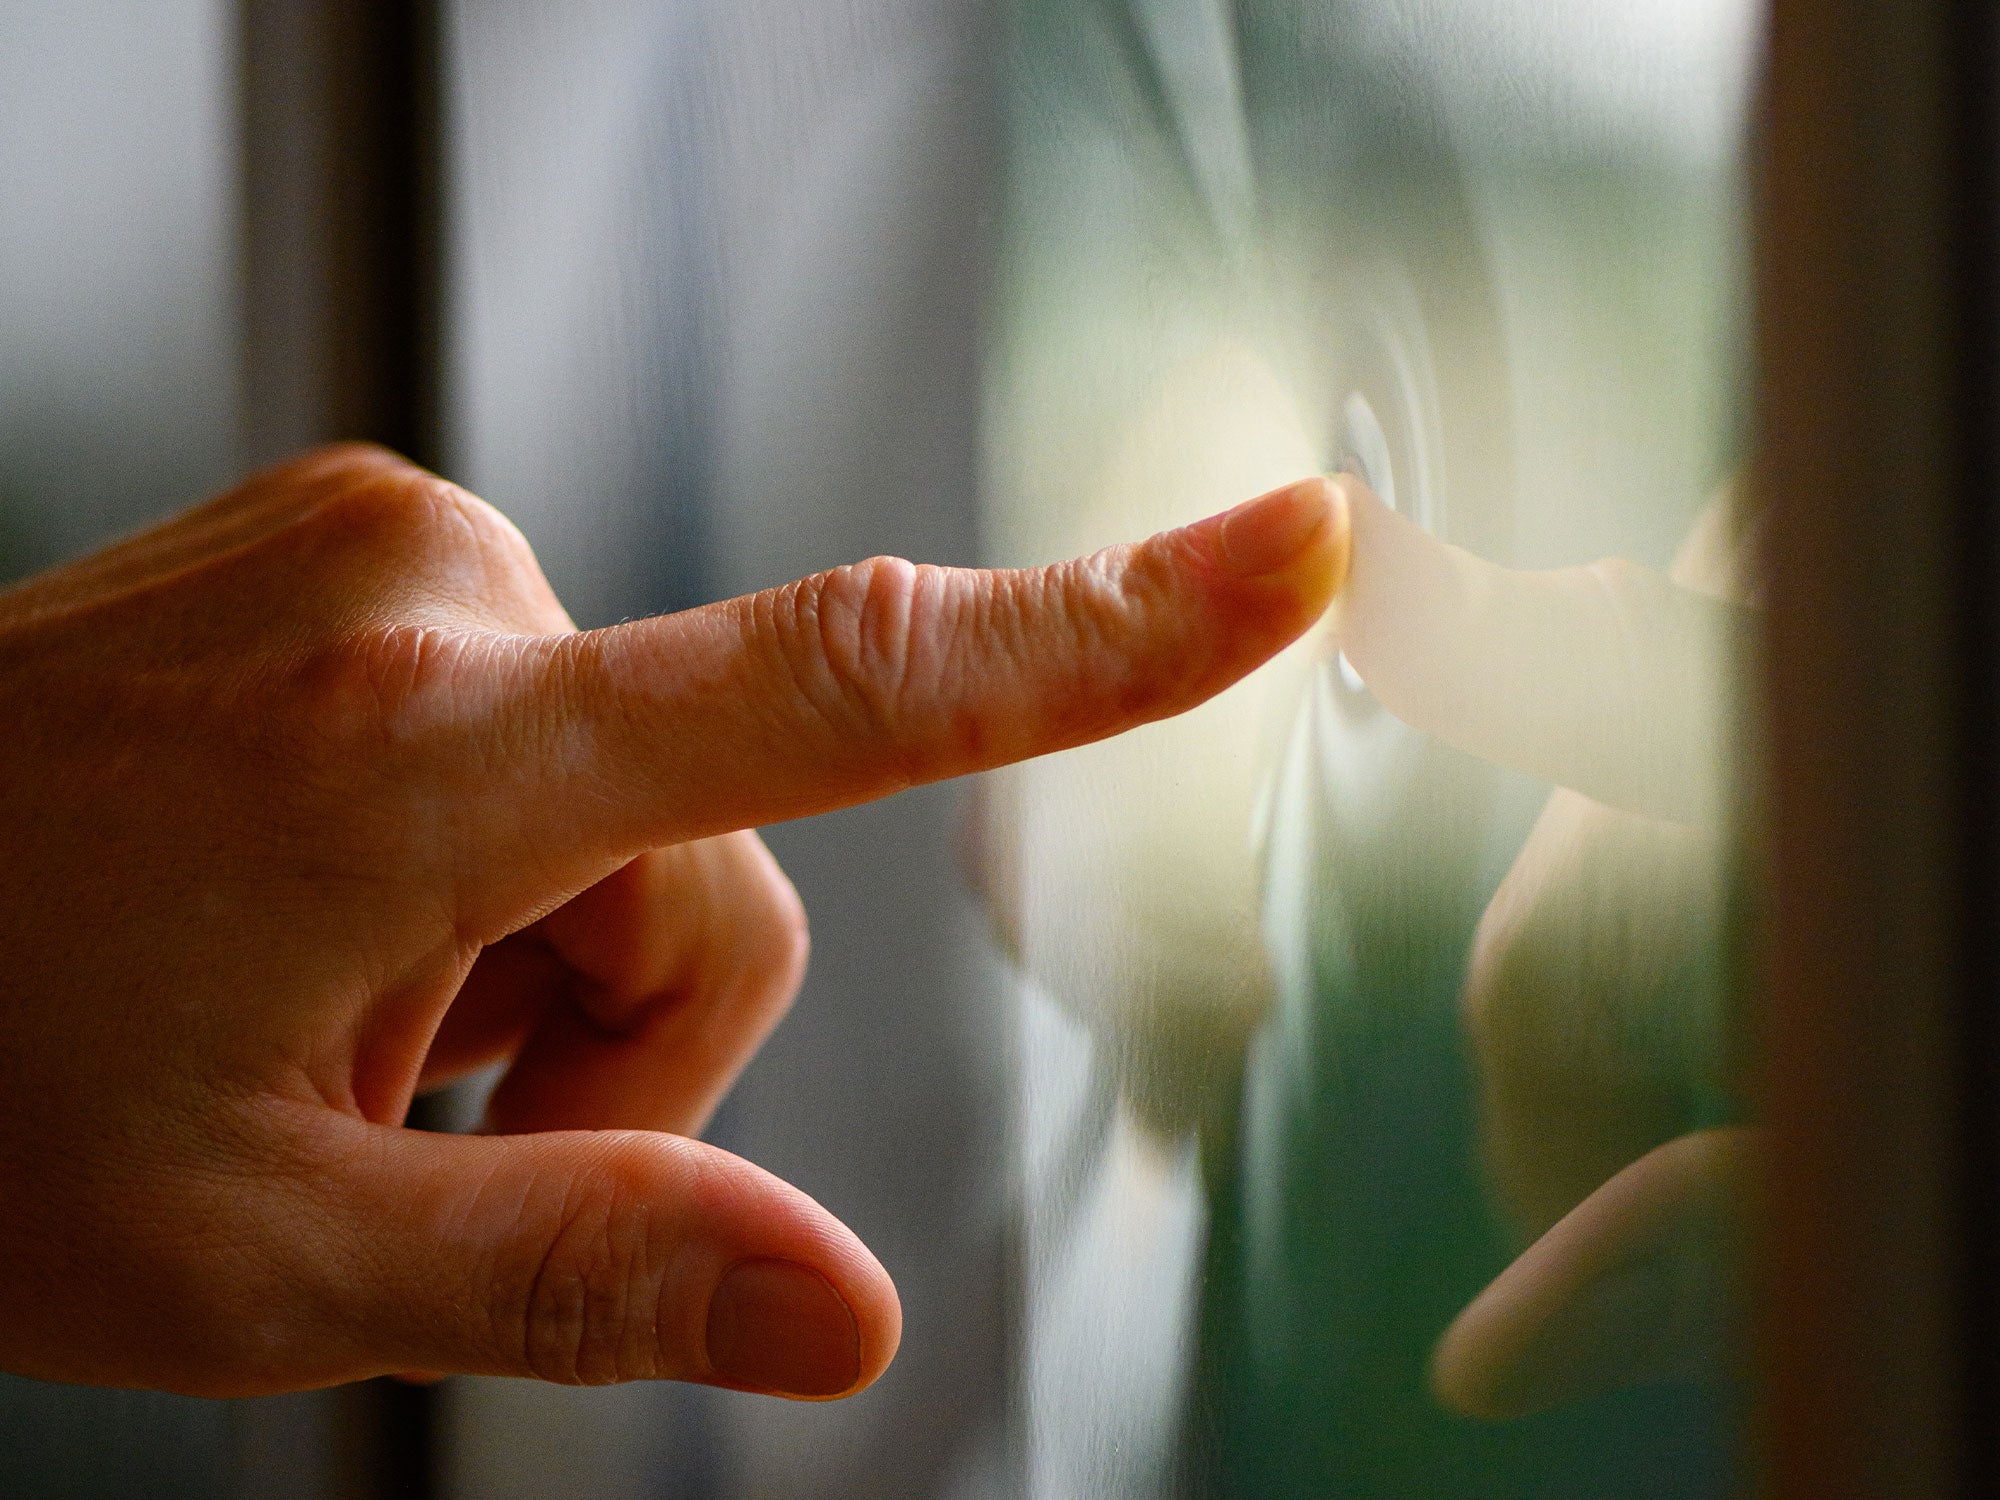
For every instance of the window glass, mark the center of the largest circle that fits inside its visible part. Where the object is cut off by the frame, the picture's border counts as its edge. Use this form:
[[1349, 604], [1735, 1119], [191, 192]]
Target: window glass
[[1380, 1133]]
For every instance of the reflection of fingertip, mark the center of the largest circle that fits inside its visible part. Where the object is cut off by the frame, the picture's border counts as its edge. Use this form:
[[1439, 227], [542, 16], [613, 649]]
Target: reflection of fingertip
[[1450, 1378], [1630, 1288]]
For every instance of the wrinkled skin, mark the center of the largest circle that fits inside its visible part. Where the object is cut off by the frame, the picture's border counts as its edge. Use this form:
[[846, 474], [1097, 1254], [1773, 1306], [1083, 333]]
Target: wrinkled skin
[[314, 797]]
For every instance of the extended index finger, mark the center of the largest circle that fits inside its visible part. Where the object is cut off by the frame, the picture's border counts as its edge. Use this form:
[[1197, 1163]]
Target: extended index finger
[[862, 681]]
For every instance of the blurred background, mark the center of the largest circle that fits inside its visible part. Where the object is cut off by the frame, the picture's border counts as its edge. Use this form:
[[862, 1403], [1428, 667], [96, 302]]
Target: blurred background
[[1300, 1098], [706, 303], [118, 404]]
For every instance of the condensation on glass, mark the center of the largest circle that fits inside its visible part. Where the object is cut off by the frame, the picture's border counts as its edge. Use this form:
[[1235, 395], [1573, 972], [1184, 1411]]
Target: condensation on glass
[[1381, 1131]]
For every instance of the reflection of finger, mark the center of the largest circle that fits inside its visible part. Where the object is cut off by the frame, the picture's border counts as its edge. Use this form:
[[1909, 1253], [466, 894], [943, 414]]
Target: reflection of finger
[[678, 967], [1608, 679], [1630, 1288]]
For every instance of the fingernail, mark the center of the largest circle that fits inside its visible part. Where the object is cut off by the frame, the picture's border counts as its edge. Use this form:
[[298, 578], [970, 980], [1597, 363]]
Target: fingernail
[[782, 1328], [1264, 535]]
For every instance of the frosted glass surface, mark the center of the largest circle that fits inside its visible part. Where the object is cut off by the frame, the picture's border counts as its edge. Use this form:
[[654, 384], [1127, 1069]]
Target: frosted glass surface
[[1379, 1128]]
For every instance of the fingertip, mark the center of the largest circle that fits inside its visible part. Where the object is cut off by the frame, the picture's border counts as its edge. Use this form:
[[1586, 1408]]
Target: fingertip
[[780, 1326], [1467, 1373], [799, 1306], [869, 1292], [1272, 532], [786, 1328], [1616, 1294], [1293, 543]]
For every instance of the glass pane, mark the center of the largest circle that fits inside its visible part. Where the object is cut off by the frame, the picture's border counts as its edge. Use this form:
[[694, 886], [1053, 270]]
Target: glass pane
[[1381, 1135]]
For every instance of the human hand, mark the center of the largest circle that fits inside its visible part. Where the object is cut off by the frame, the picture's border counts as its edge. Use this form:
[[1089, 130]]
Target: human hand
[[1595, 1003], [1593, 989], [313, 797]]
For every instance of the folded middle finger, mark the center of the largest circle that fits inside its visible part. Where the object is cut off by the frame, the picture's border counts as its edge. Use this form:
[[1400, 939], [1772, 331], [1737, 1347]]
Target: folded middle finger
[[636, 1004]]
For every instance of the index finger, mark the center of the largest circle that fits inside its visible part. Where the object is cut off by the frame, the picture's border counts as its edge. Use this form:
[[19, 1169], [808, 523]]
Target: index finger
[[859, 682]]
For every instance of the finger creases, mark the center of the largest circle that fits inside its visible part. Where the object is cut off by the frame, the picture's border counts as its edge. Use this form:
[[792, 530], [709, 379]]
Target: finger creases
[[856, 683], [590, 1257]]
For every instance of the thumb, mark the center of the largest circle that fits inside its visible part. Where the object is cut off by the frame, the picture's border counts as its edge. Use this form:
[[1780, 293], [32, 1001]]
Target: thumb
[[589, 1257]]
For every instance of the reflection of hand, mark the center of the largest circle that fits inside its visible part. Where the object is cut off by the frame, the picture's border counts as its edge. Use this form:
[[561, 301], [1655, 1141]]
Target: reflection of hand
[[314, 794], [1609, 679], [1592, 999], [1592, 991], [1631, 1287]]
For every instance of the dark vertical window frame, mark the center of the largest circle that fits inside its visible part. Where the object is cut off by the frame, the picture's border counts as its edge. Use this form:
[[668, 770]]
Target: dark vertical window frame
[[342, 294], [1876, 348], [342, 224], [1976, 274]]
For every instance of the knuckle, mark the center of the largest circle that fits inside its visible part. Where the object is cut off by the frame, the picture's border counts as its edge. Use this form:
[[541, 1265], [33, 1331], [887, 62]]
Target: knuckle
[[486, 531], [855, 623], [376, 508], [1114, 596], [877, 651], [1129, 579], [1092, 625], [419, 526], [786, 934], [330, 470], [590, 1311], [1134, 633]]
